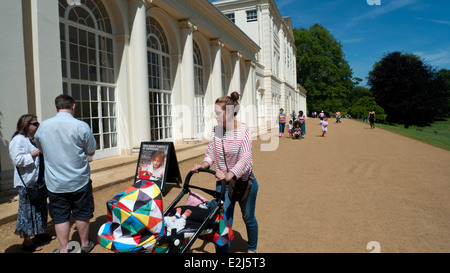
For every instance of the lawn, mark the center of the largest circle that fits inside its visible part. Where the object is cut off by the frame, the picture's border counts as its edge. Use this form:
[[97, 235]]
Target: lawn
[[438, 134]]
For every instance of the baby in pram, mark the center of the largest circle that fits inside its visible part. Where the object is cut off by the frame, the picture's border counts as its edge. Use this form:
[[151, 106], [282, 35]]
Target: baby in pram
[[297, 129], [137, 223]]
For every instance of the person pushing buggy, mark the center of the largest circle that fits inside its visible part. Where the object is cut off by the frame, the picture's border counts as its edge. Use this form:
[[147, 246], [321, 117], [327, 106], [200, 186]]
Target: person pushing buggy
[[297, 129]]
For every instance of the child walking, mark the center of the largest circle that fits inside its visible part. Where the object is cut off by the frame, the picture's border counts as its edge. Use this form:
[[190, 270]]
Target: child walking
[[324, 126]]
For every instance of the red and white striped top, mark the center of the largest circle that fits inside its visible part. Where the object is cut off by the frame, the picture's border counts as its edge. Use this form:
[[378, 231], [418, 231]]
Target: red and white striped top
[[238, 151]]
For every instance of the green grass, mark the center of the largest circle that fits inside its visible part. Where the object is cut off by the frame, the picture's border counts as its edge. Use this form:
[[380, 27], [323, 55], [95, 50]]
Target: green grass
[[438, 134]]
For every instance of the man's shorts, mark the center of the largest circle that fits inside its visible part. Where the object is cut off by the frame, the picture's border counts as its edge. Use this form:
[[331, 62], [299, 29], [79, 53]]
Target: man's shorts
[[79, 203]]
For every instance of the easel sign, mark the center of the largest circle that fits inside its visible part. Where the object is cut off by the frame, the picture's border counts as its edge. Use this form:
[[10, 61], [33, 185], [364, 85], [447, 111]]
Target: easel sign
[[158, 163]]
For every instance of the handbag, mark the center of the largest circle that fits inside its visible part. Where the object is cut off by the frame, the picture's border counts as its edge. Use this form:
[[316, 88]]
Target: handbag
[[38, 191], [238, 189]]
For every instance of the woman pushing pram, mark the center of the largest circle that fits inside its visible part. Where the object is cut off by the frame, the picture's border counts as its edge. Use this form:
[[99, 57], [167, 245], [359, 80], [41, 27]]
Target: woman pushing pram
[[297, 129]]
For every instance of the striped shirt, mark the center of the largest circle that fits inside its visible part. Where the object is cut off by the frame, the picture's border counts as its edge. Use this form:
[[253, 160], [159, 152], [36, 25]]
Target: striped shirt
[[238, 151]]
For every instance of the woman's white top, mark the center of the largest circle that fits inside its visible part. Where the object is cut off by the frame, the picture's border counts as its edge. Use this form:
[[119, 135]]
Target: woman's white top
[[19, 151]]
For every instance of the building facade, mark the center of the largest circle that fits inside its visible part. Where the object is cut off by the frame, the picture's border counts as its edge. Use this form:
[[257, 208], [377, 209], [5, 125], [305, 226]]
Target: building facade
[[276, 75], [141, 70]]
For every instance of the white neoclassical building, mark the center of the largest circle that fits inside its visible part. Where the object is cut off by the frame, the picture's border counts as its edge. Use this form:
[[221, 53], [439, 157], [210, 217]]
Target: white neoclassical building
[[276, 75], [143, 70]]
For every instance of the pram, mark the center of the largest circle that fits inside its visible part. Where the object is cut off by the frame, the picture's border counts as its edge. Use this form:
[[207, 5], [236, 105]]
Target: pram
[[297, 129], [136, 222]]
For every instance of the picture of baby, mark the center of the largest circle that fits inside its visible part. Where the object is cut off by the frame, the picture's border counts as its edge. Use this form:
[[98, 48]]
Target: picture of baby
[[157, 163], [156, 166], [154, 171]]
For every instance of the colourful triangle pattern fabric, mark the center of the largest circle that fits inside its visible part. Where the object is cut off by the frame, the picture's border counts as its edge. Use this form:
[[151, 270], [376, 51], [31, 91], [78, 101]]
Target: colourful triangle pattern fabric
[[223, 234], [135, 219]]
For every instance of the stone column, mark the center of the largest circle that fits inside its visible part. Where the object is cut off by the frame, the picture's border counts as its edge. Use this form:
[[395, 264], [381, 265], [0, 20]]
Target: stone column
[[187, 78], [217, 91], [140, 112], [250, 96], [236, 77]]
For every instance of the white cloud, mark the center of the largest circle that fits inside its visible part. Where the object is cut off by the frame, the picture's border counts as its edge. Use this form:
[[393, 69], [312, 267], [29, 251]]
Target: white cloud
[[436, 58], [382, 9], [441, 22]]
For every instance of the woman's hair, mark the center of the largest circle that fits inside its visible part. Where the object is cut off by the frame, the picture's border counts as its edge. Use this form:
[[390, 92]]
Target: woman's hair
[[23, 123], [232, 99]]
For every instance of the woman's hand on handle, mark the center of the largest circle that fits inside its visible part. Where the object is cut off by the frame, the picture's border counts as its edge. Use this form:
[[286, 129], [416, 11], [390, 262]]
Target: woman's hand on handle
[[222, 176], [195, 168]]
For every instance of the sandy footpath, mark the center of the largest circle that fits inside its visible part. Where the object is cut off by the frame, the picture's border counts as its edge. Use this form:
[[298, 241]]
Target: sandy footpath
[[333, 194]]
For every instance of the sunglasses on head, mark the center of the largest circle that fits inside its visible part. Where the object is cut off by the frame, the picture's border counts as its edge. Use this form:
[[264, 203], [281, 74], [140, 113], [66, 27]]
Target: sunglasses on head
[[35, 123]]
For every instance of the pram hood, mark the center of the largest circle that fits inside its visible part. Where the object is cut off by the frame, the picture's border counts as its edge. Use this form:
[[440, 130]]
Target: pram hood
[[135, 219]]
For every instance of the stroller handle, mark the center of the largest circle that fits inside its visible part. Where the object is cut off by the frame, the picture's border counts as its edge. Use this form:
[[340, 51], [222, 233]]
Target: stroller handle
[[222, 182]]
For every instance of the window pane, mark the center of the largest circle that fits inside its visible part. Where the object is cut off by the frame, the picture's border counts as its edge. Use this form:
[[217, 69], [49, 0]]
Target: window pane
[[105, 122], [85, 92], [104, 109], [113, 140], [95, 126], [74, 70], [84, 72], [94, 109], [85, 109], [94, 93]]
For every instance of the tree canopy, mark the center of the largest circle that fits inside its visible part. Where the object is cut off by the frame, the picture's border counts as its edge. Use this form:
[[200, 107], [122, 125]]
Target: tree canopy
[[361, 107], [322, 69], [410, 91]]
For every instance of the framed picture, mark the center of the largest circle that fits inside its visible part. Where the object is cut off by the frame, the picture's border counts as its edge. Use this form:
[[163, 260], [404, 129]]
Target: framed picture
[[158, 163]]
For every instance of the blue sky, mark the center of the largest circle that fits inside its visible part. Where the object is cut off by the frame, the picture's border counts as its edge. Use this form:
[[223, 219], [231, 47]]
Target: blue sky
[[368, 32]]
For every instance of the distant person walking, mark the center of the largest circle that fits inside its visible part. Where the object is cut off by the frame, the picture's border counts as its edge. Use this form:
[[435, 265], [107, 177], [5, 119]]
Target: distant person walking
[[281, 122], [67, 143], [371, 118], [324, 126], [302, 119], [321, 116], [293, 116]]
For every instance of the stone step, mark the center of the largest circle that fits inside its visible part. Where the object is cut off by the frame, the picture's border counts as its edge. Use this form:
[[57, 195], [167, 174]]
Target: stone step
[[110, 171]]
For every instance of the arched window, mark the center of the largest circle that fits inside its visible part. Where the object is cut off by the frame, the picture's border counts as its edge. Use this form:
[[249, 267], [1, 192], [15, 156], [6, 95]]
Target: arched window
[[87, 63], [159, 81], [199, 103]]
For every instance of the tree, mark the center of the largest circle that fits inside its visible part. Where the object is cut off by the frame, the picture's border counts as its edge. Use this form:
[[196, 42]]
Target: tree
[[445, 74], [409, 91], [322, 69], [360, 109], [358, 92]]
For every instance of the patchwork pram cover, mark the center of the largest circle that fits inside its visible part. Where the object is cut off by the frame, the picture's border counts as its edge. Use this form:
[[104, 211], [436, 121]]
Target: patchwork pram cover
[[135, 219], [223, 234]]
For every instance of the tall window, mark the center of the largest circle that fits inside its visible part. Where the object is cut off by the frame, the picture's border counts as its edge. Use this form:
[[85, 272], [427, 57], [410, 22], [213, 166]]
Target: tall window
[[199, 98], [159, 83], [87, 62]]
